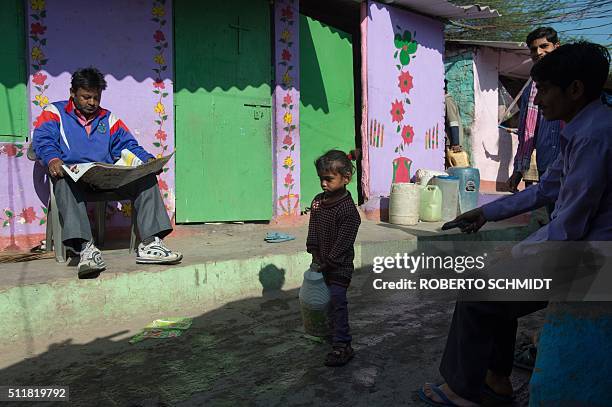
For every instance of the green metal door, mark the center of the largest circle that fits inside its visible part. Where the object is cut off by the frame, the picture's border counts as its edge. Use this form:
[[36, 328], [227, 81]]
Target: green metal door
[[327, 111], [222, 110], [13, 98]]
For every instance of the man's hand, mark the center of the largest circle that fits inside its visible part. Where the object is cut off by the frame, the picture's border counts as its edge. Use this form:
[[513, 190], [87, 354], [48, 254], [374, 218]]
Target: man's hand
[[55, 168], [514, 180], [469, 222]]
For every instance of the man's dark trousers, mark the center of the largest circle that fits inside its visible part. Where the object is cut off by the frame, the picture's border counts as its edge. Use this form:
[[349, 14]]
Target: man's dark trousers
[[482, 336], [151, 216]]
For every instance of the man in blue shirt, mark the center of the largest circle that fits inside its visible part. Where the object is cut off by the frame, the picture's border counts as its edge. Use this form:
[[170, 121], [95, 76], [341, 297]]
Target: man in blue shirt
[[535, 131], [79, 131], [479, 351]]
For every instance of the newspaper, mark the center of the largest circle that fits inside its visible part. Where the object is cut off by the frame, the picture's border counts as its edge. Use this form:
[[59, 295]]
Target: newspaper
[[113, 176]]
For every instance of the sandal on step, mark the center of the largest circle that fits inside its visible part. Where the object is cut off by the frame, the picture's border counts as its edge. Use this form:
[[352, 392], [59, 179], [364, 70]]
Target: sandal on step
[[340, 355]]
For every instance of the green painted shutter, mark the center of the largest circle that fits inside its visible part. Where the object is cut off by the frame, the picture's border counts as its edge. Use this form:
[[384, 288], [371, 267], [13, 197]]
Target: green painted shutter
[[13, 100]]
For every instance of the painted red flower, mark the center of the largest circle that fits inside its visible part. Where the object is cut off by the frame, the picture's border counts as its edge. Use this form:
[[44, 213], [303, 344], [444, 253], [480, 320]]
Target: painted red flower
[[161, 135], [287, 99], [397, 111], [28, 215], [287, 12], [288, 179], [37, 29], [286, 55], [39, 79], [159, 84], [159, 36], [288, 140], [405, 82], [407, 134], [10, 150], [162, 184]]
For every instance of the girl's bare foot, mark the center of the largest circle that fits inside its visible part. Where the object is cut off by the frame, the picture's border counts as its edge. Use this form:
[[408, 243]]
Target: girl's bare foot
[[451, 395]]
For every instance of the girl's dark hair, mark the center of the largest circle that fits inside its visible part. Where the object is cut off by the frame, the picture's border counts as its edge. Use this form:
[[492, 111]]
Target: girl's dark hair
[[335, 161], [541, 32], [88, 78], [583, 61]]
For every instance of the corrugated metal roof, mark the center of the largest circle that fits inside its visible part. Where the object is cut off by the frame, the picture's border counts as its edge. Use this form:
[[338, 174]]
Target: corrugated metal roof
[[444, 9], [515, 46]]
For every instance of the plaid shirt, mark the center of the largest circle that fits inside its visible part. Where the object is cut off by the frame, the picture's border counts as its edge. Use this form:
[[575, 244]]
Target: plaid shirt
[[331, 232], [546, 140]]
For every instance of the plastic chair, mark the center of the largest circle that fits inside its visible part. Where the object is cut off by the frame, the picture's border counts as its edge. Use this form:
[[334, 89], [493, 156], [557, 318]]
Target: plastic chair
[[54, 225]]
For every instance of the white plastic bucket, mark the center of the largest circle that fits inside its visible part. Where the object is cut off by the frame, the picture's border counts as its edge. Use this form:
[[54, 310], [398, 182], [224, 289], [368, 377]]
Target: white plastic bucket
[[404, 204]]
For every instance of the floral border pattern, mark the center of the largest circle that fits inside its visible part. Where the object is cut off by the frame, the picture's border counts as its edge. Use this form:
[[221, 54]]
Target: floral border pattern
[[160, 45], [38, 61], [37, 52], [405, 49], [288, 203]]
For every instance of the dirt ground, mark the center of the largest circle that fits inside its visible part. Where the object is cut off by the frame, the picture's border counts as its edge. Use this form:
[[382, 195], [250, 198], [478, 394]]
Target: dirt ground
[[253, 353]]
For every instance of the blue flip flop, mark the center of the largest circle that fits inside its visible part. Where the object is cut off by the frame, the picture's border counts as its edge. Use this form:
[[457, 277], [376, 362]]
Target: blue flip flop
[[276, 237], [445, 400]]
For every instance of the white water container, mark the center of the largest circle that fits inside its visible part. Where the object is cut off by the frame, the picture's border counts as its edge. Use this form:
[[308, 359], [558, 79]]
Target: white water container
[[423, 175], [431, 204], [404, 204], [450, 195], [314, 303]]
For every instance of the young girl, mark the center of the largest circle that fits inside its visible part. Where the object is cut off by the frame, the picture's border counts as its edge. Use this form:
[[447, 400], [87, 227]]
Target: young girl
[[334, 222]]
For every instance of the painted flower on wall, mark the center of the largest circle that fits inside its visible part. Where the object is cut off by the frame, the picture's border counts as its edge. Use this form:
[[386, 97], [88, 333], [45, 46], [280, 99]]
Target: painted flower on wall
[[405, 82], [288, 179], [27, 215], [288, 161], [37, 54], [10, 149], [159, 59], [397, 111], [42, 100], [287, 99], [161, 135], [159, 108], [37, 5], [288, 140], [288, 118], [126, 209], [286, 55], [287, 79], [286, 35], [158, 11], [406, 46], [162, 184], [37, 29], [159, 84], [407, 134], [287, 12], [159, 36], [39, 79]]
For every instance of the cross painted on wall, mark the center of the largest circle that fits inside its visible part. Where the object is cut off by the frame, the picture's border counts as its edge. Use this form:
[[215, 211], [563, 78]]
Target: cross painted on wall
[[239, 28]]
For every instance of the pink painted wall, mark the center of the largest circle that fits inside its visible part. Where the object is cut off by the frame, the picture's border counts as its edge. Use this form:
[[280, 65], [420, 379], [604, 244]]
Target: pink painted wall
[[405, 96], [131, 43], [286, 132]]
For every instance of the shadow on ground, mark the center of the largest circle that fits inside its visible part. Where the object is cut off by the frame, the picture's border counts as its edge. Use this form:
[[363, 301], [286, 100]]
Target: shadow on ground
[[253, 352]]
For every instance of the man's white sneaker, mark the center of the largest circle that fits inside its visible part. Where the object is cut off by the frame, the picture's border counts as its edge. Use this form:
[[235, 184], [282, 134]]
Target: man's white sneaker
[[156, 252], [91, 263]]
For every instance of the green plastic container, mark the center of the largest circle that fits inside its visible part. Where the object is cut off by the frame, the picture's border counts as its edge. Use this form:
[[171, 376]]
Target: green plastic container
[[431, 204]]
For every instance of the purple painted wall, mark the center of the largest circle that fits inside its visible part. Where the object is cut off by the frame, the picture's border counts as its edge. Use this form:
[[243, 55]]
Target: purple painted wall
[[405, 96], [131, 43], [286, 132]]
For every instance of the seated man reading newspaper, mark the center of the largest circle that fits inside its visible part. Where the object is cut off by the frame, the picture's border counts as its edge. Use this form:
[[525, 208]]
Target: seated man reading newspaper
[[79, 131]]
